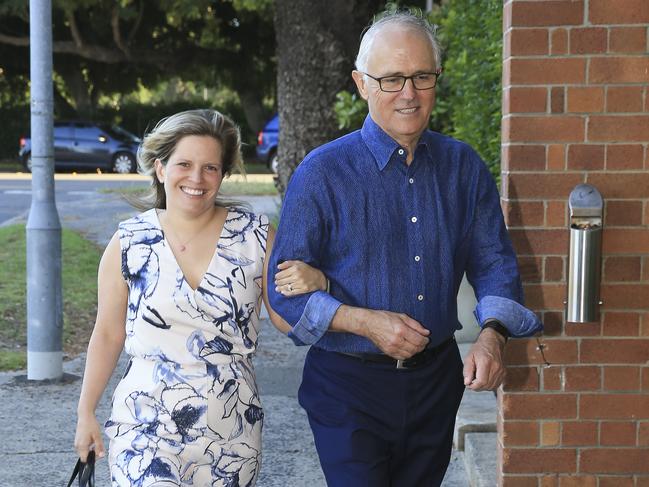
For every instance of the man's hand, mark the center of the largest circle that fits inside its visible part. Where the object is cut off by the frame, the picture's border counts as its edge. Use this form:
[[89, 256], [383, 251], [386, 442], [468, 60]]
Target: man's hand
[[396, 334], [483, 367]]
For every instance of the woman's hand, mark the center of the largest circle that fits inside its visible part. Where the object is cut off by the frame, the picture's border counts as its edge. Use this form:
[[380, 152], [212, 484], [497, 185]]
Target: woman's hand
[[88, 437], [296, 277]]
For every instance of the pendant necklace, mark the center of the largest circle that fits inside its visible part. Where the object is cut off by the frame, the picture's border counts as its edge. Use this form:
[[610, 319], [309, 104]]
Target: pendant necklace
[[183, 246]]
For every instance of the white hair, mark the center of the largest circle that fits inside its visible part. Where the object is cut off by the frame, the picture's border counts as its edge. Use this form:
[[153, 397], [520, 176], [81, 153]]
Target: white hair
[[405, 19]]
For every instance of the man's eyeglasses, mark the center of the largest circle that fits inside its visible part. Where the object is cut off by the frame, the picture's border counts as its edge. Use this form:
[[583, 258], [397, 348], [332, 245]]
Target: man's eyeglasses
[[421, 81]]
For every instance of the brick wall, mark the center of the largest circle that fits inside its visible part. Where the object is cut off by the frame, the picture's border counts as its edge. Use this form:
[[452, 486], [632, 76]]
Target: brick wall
[[574, 409]]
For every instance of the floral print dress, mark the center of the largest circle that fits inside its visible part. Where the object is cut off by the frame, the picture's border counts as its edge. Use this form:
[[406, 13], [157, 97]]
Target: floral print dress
[[187, 411]]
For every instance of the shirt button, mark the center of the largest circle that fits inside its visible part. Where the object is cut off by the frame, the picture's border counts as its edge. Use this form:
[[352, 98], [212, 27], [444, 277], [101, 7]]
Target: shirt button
[[413, 219], [420, 297], [417, 258], [411, 180], [401, 152]]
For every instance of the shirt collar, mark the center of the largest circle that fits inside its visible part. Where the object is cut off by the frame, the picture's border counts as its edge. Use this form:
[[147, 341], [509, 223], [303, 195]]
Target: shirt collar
[[382, 146]]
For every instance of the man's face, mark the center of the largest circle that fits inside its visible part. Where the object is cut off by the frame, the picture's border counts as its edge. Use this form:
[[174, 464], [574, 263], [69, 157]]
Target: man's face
[[403, 115]]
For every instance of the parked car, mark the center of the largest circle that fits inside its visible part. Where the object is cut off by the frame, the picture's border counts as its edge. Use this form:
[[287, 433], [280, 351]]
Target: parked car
[[267, 141], [87, 145]]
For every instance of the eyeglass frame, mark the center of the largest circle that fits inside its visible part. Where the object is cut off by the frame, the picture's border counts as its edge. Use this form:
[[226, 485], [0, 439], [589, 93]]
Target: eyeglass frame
[[437, 74]]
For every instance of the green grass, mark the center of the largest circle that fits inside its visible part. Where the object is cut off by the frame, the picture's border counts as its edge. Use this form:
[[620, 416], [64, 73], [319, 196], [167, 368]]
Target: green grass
[[80, 259]]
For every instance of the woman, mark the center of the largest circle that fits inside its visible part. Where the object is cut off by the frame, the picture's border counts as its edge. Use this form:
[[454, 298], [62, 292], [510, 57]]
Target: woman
[[180, 288]]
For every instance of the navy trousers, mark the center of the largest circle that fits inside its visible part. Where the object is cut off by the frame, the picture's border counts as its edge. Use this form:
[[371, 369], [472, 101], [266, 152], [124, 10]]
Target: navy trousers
[[379, 426]]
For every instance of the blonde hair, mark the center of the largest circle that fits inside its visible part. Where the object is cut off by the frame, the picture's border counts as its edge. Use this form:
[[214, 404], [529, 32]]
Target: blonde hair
[[161, 142]]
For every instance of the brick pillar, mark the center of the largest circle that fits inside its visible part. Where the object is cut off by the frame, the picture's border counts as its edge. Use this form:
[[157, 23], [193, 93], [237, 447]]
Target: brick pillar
[[574, 409]]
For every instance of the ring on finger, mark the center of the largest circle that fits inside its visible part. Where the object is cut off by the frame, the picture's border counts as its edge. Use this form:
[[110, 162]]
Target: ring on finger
[[289, 287]]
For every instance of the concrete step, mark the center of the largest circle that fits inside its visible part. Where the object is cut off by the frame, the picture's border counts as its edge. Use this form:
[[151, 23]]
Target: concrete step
[[480, 457], [477, 414]]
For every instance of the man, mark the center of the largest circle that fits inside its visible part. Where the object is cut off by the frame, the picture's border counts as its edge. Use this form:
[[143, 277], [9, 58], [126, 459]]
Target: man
[[394, 215]]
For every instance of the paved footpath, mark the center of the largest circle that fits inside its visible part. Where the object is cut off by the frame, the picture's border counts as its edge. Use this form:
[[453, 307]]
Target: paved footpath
[[37, 420]]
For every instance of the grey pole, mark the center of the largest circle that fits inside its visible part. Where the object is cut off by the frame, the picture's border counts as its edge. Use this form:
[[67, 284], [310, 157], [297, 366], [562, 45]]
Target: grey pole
[[44, 302]]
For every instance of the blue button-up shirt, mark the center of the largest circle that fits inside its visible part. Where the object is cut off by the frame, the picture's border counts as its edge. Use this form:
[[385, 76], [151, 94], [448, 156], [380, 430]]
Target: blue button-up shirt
[[396, 237]]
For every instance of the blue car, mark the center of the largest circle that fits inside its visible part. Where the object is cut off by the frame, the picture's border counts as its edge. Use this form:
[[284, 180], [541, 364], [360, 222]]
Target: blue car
[[88, 146], [267, 141]]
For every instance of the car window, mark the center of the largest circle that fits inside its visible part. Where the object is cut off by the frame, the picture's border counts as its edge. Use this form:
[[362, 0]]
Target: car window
[[118, 133], [88, 132], [63, 132]]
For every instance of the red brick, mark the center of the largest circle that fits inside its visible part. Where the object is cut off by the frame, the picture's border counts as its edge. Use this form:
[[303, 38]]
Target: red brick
[[622, 269], [525, 158], [520, 433], [621, 186], [584, 329], [624, 213], [529, 242], [579, 433], [521, 379], [614, 460], [530, 269], [585, 99], [630, 69], [618, 433], [527, 42], [588, 40], [645, 379], [627, 39], [625, 296], [621, 324], [524, 213], [552, 379], [527, 352], [555, 214], [550, 13], [525, 100], [558, 41], [546, 129], [578, 481], [557, 99], [552, 323], [553, 269], [546, 186], [583, 378], [523, 460], [612, 128], [624, 156], [586, 157], [614, 351], [618, 11], [644, 327], [550, 433], [547, 71], [545, 296], [549, 480], [556, 157], [643, 433], [540, 406], [642, 481], [624, 99], [519, 481], [622, 378], [614, 406], [616, 481]]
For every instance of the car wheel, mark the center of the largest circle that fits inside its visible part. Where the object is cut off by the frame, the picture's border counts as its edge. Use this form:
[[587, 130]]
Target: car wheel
[[274, 163], [27, 162], [123, 163]]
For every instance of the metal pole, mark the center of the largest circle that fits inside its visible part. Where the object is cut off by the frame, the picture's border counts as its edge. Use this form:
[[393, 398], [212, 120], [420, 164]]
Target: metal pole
[[44, 302]]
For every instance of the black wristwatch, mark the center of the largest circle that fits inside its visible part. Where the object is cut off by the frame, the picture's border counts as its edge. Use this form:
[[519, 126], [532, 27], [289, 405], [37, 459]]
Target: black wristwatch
[[497, 326]]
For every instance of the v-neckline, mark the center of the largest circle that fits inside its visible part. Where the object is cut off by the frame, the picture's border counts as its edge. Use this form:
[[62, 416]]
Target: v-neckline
[[175, 260]]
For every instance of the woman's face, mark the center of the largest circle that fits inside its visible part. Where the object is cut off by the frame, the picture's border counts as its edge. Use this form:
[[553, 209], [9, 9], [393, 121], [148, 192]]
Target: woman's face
[[193, 174]]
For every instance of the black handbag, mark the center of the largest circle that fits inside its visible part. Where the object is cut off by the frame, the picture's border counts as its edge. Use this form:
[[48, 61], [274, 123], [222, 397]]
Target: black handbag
[[85, 471]]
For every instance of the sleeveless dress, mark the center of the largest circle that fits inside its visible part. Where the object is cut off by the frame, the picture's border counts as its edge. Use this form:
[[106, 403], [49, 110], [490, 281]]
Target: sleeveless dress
[[187, 411]]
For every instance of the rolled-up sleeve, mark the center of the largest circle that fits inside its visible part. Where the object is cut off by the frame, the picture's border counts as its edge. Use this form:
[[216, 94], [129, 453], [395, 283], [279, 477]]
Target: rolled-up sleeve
[[302, 235], [492, 268]]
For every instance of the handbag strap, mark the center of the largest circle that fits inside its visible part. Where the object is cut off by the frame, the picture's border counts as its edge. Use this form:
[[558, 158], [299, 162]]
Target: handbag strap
[[85, 471]]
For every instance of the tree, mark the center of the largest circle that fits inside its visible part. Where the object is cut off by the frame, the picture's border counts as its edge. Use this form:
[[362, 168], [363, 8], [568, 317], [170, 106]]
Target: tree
[[102, 47], [316, 46]]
